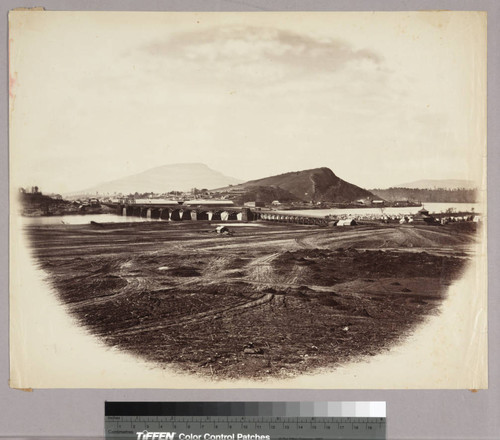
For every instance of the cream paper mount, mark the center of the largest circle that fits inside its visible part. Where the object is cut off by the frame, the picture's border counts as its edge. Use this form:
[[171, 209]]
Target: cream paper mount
[[116, 113]]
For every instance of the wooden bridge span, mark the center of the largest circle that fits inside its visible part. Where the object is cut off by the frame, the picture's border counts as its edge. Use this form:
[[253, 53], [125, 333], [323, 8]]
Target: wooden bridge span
[[285, 217], [185, 212], [219, 213]]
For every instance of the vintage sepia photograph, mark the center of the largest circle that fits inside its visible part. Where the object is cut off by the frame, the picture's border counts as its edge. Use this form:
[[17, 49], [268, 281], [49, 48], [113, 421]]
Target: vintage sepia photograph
[[272, 199]]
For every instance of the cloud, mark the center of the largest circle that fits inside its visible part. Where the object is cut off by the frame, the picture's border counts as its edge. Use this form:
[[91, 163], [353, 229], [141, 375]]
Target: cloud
[[258, 54]]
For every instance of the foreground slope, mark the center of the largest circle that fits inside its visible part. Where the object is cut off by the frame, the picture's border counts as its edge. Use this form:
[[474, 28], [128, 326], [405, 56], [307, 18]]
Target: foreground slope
[[273, 300]]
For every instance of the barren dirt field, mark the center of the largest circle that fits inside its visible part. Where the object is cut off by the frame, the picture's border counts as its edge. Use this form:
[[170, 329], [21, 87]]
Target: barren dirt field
[[272, 300]]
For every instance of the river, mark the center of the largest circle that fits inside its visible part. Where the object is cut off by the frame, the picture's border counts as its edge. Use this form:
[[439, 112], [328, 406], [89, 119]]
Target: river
[[113, 218], [433, 208]]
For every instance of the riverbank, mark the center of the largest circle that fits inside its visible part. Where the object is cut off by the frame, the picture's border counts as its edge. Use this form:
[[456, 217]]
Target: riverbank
[[273, 301]]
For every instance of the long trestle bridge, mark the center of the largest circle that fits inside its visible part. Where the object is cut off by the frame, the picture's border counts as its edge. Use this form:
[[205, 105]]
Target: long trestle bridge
[[185, 212], [182, 212], [285, 217]]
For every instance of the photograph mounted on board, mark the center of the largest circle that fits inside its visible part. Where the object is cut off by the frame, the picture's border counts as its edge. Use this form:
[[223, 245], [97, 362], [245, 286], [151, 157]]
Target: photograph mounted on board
[[272, 200]]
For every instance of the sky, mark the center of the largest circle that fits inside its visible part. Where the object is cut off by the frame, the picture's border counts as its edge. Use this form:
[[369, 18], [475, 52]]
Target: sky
[[380, 98]]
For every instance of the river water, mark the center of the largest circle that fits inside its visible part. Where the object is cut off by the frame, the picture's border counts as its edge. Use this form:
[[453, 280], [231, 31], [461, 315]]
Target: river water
[[83, 219], [433, 208], [361, 212]]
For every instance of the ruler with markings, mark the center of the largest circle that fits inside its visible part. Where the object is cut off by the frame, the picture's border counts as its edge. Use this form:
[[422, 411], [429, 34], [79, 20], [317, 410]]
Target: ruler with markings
[[245, 420]]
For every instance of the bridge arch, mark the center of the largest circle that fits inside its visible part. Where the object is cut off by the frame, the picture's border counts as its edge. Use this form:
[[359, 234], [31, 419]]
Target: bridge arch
[[176, 215], [186, 214], [228, 215], [156, 213], [165, 214], [204, 215]]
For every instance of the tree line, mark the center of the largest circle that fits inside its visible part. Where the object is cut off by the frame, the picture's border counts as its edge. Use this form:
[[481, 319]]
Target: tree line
[[436, 195]]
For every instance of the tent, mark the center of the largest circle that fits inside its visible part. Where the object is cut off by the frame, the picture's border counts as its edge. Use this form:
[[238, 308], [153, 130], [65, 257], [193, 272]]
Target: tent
[[347, 222]]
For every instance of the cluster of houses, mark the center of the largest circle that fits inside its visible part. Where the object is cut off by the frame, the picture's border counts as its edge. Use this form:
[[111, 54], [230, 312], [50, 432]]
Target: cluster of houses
[[422, 216], [379, 203], [169, 202], [176, 197], [460, 218]]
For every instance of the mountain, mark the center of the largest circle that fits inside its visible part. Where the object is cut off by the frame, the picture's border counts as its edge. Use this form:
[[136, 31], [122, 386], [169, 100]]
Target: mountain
[[319, 184], [439, 183], [174, 177]]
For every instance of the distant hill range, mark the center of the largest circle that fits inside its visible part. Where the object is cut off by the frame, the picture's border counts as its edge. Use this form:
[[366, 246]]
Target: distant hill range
[[319, 184], [441, 195], [166, 178], [439, 184], [431, 191]]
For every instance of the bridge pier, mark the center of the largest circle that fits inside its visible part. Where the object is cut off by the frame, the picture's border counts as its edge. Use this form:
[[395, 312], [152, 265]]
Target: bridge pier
[[246, 215]]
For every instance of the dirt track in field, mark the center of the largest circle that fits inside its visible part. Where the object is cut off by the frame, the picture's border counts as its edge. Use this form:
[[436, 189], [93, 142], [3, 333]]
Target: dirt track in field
[[274, 300]]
